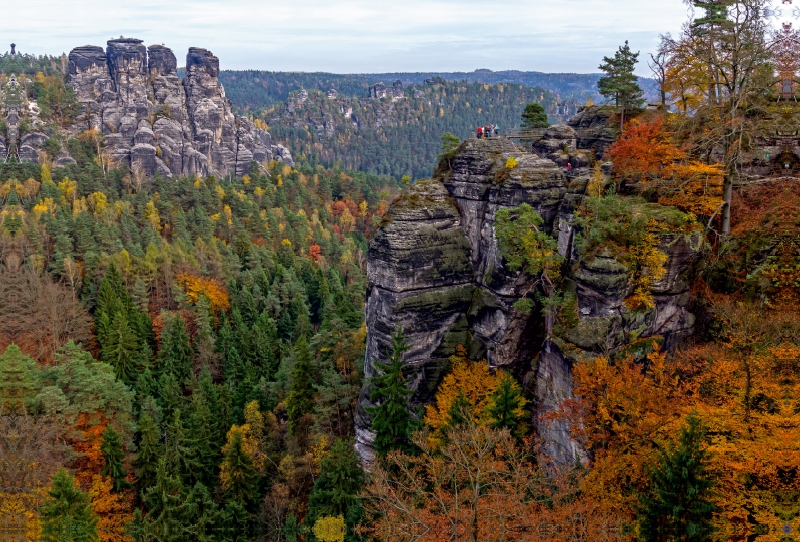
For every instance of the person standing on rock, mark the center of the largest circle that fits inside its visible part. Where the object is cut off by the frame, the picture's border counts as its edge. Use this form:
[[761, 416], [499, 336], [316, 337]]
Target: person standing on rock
[[569, 169], [480, 132]]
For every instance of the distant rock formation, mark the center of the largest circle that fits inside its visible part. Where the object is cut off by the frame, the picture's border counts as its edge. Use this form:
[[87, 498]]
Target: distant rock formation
[[379, 90], [160, 123], [156, 122]]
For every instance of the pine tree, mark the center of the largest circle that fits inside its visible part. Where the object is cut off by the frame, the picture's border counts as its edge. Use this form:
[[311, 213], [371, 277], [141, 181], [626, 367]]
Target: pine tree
[[534, 117], [391, 420], [620, 82], [113, 455], [300, 400], [678, 505], [149, 452], [67, 515], [506, 409], [336, 490], [241, 475]]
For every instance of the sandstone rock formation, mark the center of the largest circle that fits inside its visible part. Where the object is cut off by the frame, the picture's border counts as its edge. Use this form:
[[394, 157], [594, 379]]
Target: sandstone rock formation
[[435, 269], [156, 122]]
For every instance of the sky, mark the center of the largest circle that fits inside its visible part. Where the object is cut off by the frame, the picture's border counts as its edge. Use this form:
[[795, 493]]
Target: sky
[[355, 36]]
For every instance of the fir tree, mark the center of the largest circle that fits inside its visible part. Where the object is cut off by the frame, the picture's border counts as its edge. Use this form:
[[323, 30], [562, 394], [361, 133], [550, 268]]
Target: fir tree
[[678, 505], [67, 515], [506, 409], [391, 420], [113, 455], [620, 81], [336, 490], [300, 400]]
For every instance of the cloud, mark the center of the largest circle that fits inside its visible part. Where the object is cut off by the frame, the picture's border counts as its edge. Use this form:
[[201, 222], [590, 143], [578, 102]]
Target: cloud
[[357, 35]]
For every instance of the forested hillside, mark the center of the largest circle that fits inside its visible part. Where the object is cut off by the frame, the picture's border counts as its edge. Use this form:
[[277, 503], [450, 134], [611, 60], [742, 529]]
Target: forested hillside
[[253, 89], [188, 349], [399, 136]]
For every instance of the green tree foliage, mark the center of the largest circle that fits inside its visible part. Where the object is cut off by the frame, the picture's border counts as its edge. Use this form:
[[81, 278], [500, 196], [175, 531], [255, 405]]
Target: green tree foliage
[[175, 354], [113, 457], [241, 474], [336, 491], [620, 83], [534, 117], [301, 397], [506, 409], [67, 515], [526, 247], [678, 506], [149, 451], [391, 420]]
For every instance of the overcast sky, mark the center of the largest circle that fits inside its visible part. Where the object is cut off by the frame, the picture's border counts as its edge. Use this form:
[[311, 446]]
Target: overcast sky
[[354, 35]]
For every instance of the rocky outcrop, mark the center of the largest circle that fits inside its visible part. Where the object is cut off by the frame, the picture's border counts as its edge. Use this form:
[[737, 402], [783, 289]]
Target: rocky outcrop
[[435, 270], [597, 133], [158, 123]]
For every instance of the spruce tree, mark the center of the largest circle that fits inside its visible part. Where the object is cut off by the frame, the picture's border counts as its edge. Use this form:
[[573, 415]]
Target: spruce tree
[[391, 420], [241, 474], [113, 456], [166, 505], [678, 505], [121, 348], [300, 400], [506, 409], [67, 515], [149, 452], [175, 353], [336, 490], [620, 81]]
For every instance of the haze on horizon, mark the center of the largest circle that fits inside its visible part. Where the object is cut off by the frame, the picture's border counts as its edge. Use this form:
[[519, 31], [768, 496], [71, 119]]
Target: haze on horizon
[[356, 36]]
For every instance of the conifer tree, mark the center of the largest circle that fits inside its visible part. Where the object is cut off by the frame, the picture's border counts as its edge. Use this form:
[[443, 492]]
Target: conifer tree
[[678, 505], [165, 502], [620, 81], [391, 420], [300, 400], [121, 348], [506, 408], [67, 515], [113, 455], [336, 490], [241, 475], [175, 354], [149, 452], [534, 117]]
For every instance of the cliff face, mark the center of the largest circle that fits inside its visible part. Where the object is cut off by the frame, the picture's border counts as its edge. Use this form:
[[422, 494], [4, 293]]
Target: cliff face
[[157, 122], [435, 269]]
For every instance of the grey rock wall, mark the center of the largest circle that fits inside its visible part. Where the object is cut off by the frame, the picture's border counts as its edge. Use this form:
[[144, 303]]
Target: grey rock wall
[[435, 270], [157, 122]]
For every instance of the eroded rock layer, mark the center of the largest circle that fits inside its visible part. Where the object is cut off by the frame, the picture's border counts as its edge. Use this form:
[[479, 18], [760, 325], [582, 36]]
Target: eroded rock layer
[[159, 123], [435, 270]]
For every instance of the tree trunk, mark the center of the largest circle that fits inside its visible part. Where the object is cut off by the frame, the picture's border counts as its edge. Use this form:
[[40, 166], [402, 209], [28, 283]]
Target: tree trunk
[[727, 195]]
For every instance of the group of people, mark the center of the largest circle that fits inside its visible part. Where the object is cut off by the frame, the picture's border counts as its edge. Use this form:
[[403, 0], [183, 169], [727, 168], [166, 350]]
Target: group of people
[[485, 132]]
